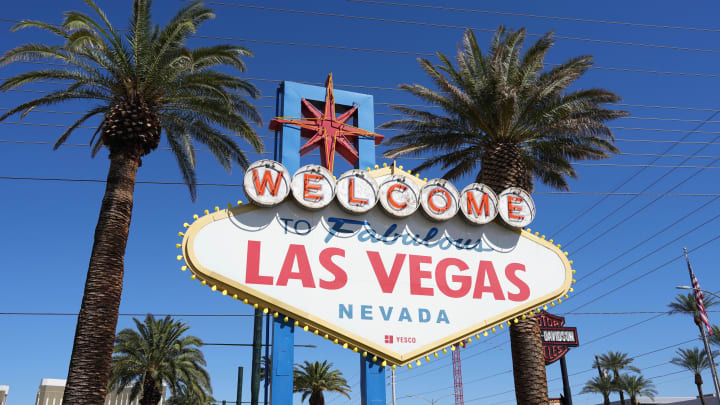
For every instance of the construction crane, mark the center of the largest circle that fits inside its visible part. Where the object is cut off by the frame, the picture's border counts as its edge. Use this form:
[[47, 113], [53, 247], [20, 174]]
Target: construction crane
[[457, 376]]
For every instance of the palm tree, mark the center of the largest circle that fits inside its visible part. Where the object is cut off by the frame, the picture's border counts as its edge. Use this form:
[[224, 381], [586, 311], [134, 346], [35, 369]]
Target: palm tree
[[616, 361], [506, 121], [185, 397], [715, 337], [696, 361], [311, 379], [686, 304], [636, 386], [603, 385], [144, 83], [158, 352]]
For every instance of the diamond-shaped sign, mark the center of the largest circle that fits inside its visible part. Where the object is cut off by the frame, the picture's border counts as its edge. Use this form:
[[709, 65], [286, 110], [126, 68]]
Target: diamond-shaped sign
[[398, 288]]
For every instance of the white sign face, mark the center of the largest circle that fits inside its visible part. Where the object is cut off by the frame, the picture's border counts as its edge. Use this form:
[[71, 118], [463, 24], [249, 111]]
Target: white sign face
[[357, 191], [313, 186], [399, 195], [399, 288], [478, 203], [439, 199], [516, 207], [266, 183]]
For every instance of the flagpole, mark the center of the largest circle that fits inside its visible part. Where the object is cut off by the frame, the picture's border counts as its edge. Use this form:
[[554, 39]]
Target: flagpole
[[696, 289]]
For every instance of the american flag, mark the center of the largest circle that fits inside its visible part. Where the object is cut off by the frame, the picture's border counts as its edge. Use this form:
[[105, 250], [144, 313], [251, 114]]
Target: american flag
[[698, 298]]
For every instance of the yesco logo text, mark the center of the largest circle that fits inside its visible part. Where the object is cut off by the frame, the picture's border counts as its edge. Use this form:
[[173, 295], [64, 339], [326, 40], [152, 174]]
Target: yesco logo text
[[268, 183]]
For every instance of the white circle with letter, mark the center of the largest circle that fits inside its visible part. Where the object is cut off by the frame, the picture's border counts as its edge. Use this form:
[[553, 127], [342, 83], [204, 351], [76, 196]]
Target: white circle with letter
[[356, 191], [313, 186], [439, 199], [399, 195], [266, 183], [516, 207], [478, 203]]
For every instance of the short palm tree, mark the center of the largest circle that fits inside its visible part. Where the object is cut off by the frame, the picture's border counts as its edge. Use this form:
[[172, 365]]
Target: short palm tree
[[144, 83], [615, 362], [602, 385], [635, 386], [715, 337], [696, 361], [312, 379], [186, 397], [686, 304], [159, 351], [505, 121]]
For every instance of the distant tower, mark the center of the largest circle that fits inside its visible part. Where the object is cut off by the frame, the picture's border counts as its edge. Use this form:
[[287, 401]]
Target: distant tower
[[457, 376]]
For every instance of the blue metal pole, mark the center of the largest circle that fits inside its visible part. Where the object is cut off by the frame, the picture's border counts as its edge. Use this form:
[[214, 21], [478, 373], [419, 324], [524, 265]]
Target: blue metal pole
[[283, 348], [372, 382]]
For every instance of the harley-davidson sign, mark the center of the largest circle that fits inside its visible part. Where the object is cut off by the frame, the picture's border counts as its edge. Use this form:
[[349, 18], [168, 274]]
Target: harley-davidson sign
[[348, 260], [556, 338]]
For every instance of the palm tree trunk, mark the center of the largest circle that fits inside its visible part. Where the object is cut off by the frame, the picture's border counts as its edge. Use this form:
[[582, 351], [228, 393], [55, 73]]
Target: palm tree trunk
[[316, 398], [528, 362], [150, 394], [620, 391], [606, 399], [89, 370], [698, 382], [503, 166]]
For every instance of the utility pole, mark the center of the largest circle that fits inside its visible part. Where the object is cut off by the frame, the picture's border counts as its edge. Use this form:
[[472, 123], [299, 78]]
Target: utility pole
[[256, 353], [238, 394], [597, 363], [392, 374]]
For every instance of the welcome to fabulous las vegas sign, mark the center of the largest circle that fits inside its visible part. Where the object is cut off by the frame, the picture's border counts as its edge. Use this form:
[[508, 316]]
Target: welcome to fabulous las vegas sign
[[378, 261]]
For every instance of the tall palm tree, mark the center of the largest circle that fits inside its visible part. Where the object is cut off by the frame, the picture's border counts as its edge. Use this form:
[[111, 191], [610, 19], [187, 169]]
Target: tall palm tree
[[615, 362], [636, 386], [686, 304], [312, 379], [144, 83], [506, 121], [159, 351], [696, 361], [603, 385]]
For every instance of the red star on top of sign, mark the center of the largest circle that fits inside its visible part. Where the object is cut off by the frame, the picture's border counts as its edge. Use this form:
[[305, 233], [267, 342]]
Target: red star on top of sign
[[326, 131]]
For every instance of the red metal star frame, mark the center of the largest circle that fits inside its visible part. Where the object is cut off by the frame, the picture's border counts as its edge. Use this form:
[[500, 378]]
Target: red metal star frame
[[326, 131]]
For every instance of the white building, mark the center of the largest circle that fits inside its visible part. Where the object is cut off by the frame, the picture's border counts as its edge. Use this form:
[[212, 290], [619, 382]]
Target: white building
[[709, 400], [4, 389], [51, 392]]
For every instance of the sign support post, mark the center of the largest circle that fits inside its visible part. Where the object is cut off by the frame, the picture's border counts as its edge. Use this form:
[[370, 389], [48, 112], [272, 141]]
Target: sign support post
[[567, 394], [282, 362], [256, 354], [372, 382]]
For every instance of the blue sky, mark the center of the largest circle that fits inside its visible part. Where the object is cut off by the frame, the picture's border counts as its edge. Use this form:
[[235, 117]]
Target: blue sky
[[626, 247]]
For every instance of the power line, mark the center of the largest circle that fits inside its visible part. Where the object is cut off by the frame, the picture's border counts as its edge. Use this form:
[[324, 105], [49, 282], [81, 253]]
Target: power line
[[660, 232], [546, 17], [179, 183], [124, 314], [647, 273], [436, 25], [606, 277], [637, 173], [377, 103], [616, 127]]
